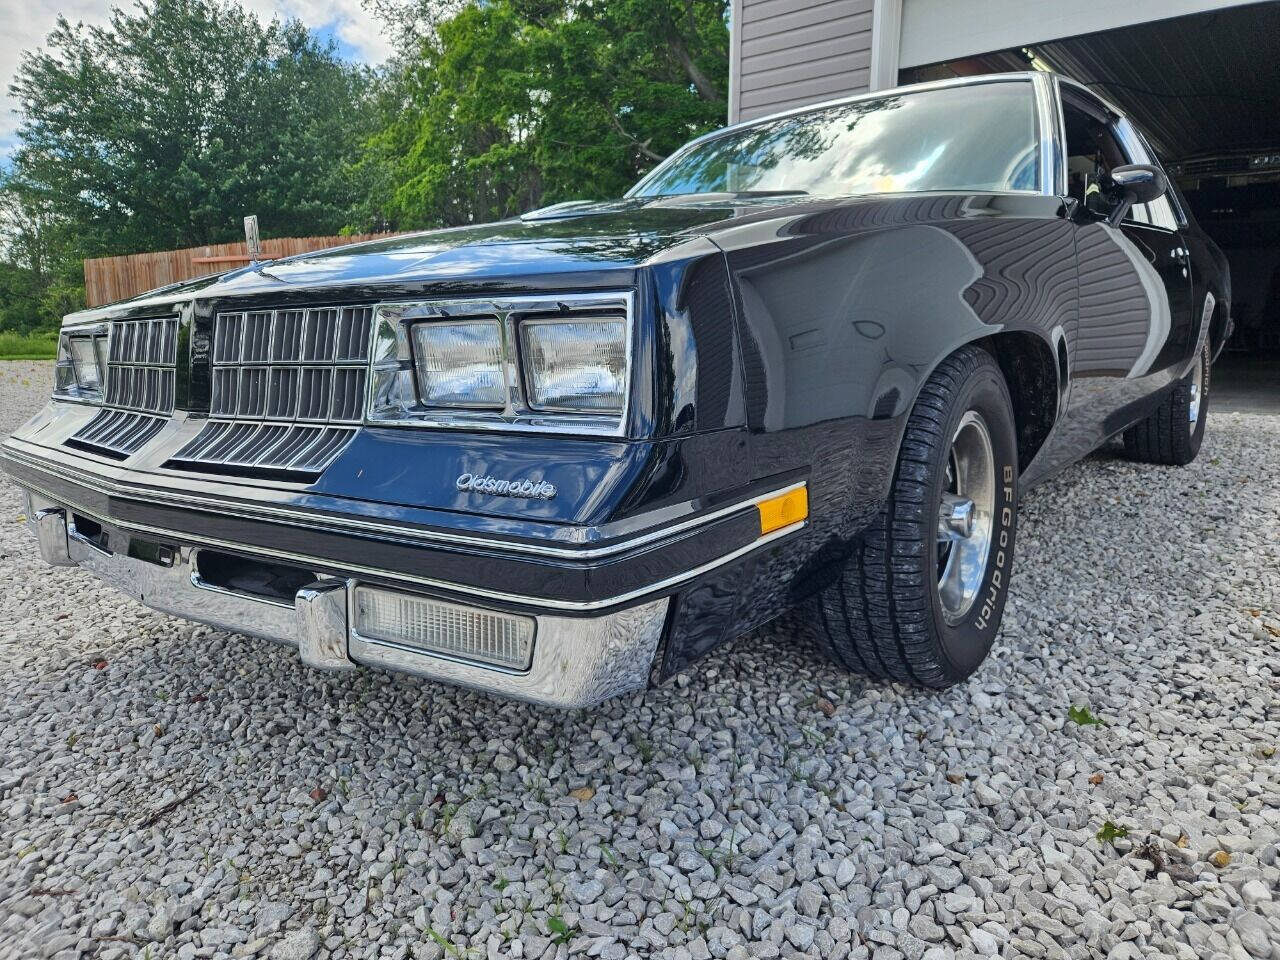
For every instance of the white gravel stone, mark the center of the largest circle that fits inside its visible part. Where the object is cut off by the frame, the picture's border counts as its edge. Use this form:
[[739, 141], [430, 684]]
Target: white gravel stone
[[356, 815], [299, 945], [1255, 891]]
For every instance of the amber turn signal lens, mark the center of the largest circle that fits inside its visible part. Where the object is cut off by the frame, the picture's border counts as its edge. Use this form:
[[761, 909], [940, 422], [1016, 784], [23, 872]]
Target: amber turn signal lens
[[784, 510]]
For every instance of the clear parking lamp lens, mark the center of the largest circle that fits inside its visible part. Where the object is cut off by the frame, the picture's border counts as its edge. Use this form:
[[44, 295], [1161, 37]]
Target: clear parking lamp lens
[[577, 365], [81, 366], [64, 372], [84, 359], [460, 363]]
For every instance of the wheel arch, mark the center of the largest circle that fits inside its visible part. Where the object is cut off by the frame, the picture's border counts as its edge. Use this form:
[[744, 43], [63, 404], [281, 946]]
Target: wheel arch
[[1219, 325], [1036, 373]]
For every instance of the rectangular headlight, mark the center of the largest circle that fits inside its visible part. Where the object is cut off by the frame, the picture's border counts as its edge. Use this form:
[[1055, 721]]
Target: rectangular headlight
[[460, 363], [575, 365], [445, 629]]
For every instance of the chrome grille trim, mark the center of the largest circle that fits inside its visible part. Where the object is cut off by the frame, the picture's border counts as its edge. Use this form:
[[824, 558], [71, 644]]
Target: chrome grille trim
[[142, 359], [288, 389], [291, 447], [286, 365], [142, 356], [118, 432]]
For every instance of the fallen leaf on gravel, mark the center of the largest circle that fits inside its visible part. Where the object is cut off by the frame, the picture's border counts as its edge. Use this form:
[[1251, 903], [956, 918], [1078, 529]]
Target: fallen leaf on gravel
[[319, 794], [827, 707], [99, 664], [1111, 832], [1083, 716], [1220, 859], [955, 778], [1096, 779], [582, 794]]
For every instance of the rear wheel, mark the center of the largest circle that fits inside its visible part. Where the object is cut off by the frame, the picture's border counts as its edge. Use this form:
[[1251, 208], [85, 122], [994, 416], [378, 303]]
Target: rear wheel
[[1173, 434], [921, 597]]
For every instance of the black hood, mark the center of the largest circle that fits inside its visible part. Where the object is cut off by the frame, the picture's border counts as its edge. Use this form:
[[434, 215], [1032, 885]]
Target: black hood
[[567, 238]]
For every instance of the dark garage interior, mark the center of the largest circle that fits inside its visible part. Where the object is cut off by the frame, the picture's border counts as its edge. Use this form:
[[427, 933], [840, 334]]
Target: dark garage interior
[[1206, 88]]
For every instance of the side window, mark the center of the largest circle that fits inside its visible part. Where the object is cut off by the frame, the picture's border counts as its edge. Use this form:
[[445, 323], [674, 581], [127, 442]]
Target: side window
[[1161, 214], [1093, 149], [1169, 211]]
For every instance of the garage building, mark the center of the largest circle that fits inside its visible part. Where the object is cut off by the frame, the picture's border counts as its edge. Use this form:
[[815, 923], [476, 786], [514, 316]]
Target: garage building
[[1202, 77]]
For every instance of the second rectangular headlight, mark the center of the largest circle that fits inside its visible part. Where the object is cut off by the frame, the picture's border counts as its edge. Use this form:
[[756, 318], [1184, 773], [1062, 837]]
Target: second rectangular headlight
[[575, 365]]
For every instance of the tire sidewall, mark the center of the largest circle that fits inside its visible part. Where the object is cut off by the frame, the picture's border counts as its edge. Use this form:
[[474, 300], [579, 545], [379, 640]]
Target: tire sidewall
[[964, 645]]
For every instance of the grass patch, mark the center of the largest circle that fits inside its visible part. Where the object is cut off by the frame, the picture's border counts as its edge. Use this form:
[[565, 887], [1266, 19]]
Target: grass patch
[[39, 345]]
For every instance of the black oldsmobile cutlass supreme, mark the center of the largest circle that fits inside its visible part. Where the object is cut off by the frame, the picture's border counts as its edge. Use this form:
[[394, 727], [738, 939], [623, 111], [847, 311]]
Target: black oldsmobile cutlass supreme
[[811, 359]]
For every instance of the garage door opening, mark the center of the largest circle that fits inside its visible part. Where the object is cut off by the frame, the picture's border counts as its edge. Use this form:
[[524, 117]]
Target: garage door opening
[[1204, 86]]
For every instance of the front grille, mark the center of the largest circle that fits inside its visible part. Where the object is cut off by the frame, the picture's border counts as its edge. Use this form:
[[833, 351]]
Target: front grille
[[288, 390], [142, 357]]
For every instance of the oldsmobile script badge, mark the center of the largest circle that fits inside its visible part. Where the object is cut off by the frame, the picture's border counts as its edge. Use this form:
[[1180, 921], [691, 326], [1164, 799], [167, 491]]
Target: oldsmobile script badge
[[526, 489]]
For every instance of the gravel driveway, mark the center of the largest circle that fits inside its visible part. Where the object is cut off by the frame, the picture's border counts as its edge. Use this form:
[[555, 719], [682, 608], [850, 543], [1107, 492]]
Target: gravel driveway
[[169, 790]]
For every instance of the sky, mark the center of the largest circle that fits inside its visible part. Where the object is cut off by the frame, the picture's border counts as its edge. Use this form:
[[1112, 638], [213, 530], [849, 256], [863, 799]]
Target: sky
[[25, 23]]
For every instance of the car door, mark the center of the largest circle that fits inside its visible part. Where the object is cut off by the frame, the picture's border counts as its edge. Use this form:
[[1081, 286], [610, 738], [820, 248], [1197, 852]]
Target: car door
[[1135, 317]]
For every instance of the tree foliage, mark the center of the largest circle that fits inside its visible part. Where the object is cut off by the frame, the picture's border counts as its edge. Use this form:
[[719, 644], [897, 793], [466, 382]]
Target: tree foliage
[[166, 126], [511, 104], [169, 124]]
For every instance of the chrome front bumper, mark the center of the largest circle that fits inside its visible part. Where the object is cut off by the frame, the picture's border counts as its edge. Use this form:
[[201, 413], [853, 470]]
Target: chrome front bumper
[[577, 661]]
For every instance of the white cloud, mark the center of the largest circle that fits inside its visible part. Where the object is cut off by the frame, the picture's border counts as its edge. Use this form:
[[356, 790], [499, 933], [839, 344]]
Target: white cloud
[[345, 18], [24, 24]]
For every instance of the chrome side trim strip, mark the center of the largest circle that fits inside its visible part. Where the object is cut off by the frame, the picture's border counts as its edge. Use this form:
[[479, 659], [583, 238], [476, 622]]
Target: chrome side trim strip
[[429, 582], [347, 524]]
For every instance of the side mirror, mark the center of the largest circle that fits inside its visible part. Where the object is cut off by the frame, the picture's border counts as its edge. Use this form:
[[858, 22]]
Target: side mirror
[[1130, 184]]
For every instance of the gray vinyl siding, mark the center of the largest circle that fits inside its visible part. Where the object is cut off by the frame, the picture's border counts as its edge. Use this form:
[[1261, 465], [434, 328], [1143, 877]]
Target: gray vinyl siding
[[794, 52]]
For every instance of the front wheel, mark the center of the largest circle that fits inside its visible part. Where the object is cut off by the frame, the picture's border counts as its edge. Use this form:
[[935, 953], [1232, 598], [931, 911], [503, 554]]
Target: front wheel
[[921, 597], [1173, 434]]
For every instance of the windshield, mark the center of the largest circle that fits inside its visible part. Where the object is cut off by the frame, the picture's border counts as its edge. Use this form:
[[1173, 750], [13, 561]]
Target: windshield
[[974, 137]]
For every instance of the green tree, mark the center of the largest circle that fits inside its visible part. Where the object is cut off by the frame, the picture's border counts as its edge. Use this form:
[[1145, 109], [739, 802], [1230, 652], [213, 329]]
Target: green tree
[[166, 126], [511, 104]]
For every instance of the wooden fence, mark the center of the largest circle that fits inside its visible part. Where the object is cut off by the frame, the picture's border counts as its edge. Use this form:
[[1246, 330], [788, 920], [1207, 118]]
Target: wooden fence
[[108, 279]]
